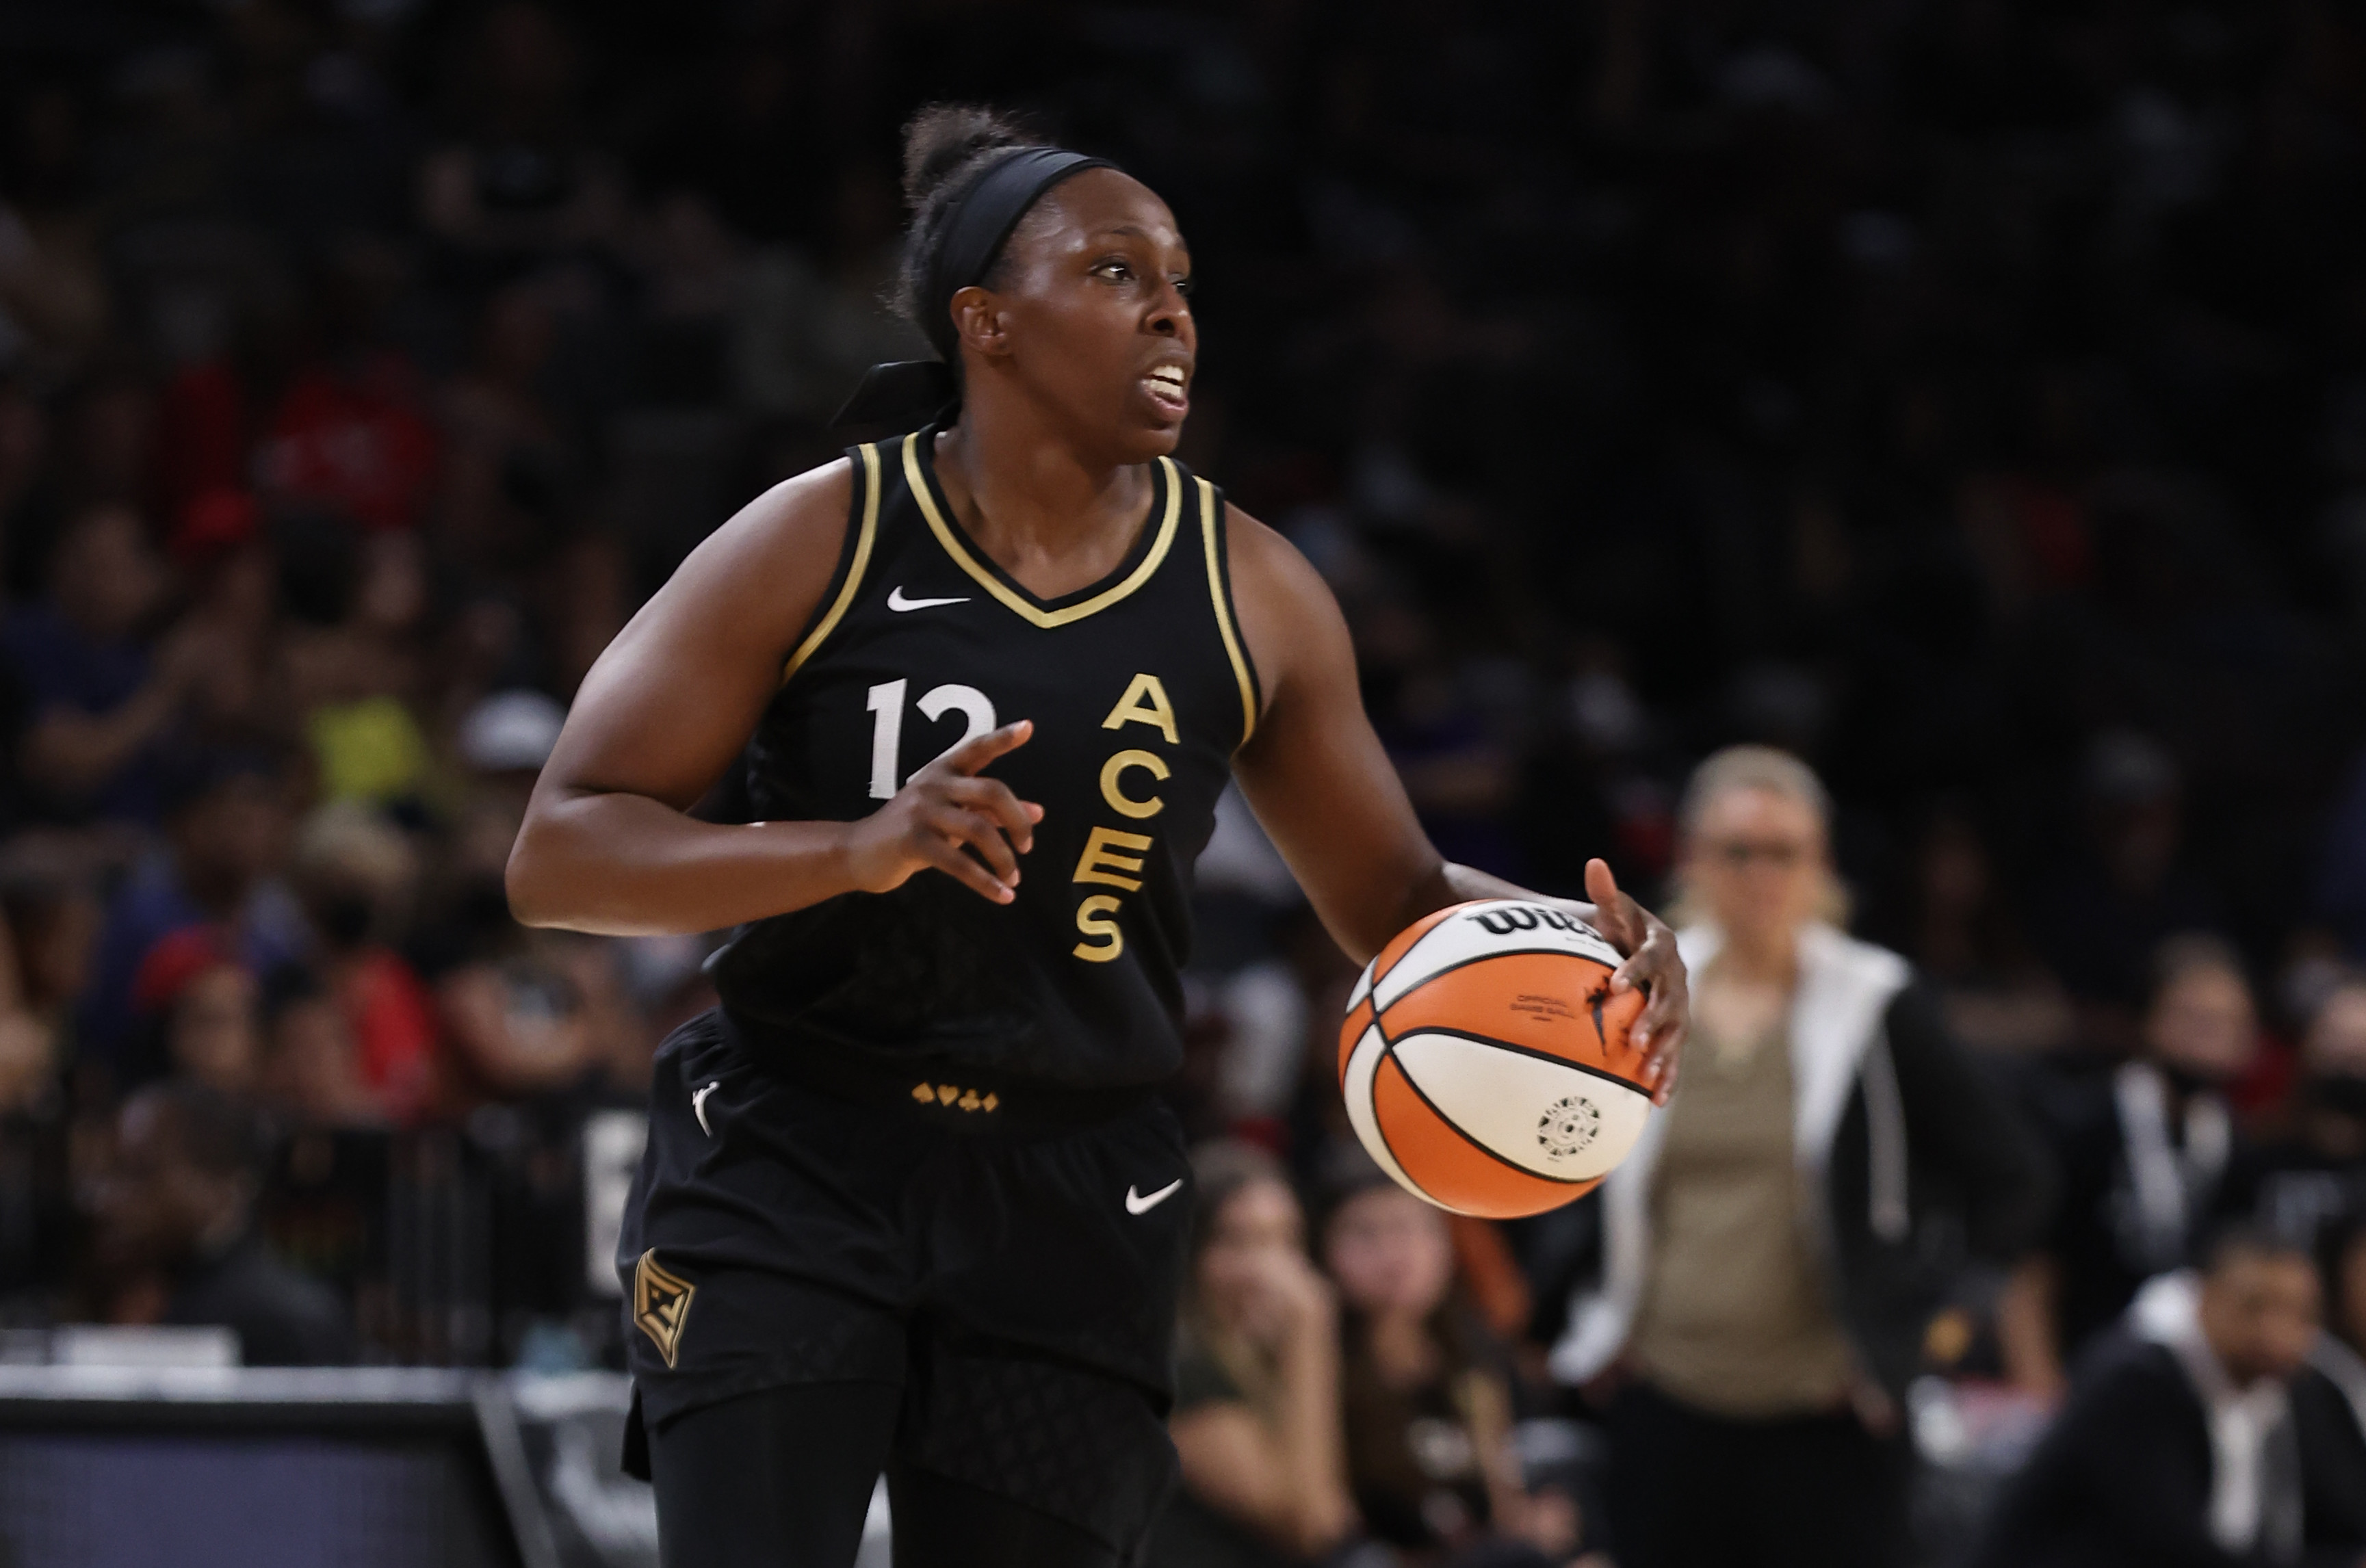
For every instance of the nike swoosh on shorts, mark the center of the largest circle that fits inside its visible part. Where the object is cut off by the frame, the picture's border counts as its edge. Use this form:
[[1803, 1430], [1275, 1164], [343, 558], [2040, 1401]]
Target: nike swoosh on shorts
[[1136, 1203]]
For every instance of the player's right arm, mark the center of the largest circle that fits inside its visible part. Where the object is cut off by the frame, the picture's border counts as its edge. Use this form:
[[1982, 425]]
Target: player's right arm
[[608, 844]]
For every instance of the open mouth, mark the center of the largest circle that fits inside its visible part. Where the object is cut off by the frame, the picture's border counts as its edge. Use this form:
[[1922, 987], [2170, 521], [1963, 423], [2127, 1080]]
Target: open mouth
[[1166, 385]]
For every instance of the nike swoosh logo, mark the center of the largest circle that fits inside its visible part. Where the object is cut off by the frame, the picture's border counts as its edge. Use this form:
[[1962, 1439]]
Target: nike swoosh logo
[[698, 1105], [895, 600], [1137, 1204]]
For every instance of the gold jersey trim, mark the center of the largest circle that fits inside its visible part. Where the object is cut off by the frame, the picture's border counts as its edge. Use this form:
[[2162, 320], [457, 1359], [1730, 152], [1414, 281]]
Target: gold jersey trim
[[864, 538], [1224, 601], [1035, 613]]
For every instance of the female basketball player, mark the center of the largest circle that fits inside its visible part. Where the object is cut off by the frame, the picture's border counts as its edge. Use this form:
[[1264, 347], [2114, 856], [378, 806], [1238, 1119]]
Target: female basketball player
[[909, 1203]]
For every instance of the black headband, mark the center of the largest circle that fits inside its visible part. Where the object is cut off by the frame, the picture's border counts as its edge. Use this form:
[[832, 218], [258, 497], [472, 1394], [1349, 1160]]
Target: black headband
[[976, 224]]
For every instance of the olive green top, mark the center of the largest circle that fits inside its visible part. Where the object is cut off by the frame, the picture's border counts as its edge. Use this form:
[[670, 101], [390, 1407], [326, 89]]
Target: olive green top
[[1735, 1316]]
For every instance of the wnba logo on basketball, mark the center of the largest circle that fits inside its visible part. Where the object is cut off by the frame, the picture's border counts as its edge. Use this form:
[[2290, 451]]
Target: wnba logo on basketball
[[1568, 1126]]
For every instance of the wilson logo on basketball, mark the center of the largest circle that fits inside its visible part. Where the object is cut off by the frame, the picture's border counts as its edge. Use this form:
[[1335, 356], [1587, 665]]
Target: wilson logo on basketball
[[1569, 1127], [1506, 918]]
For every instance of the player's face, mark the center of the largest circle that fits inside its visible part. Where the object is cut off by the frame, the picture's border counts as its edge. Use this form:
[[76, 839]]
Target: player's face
[[1092, 318]]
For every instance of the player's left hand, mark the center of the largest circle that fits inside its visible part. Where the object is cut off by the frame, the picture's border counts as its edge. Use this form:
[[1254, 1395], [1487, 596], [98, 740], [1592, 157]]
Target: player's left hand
[[1654, 965]]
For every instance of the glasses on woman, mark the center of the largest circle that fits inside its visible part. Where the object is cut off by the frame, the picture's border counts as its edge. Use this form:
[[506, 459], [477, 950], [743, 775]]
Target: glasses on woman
[[1781, 854]]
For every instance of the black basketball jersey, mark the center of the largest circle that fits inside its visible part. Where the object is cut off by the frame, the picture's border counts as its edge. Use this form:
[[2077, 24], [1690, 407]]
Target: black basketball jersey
[[1140, 688]]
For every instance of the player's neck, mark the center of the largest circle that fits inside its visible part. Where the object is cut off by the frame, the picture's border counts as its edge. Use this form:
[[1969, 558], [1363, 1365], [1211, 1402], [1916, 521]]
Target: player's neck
[[1053, 517]]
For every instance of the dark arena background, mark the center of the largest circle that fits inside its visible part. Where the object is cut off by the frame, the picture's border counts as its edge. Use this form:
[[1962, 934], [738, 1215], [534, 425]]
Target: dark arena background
[[1967, 398]]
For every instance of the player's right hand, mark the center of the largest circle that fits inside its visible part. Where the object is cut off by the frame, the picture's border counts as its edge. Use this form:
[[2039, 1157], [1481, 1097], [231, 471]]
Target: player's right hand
[[971, 829]]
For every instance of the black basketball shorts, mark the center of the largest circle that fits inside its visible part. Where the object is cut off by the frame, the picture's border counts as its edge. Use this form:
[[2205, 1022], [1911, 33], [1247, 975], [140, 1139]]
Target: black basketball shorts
[[1015, 1274]]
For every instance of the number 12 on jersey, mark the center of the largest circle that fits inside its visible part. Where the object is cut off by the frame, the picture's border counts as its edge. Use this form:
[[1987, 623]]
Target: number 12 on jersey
[[886, 705]]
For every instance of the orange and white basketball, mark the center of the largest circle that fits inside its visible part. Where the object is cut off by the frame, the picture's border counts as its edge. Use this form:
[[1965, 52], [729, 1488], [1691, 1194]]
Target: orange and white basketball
[[1485, 1060]]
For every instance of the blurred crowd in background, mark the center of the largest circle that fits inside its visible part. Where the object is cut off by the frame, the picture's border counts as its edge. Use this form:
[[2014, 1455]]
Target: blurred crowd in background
[[1965, 396]]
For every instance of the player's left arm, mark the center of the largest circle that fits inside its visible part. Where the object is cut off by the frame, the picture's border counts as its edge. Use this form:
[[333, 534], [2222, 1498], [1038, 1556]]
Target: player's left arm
[[1319, 781]]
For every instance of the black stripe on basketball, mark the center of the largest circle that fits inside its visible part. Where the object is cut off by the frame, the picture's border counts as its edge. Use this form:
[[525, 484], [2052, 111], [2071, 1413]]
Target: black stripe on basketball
[[1380, 1022]]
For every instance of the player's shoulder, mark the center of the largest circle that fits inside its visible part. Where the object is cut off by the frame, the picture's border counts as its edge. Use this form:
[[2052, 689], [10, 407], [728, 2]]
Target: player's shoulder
[[1264, 565], [1288, 614], [758, 577], [799, 512]]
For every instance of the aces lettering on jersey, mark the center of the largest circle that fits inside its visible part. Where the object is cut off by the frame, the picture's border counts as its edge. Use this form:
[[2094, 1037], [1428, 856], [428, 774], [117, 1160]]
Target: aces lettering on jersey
[[1113, 855]]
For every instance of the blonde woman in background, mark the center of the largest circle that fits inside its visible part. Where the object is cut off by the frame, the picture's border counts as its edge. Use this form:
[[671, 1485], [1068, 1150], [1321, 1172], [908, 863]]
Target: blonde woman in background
[[1775, 1248]]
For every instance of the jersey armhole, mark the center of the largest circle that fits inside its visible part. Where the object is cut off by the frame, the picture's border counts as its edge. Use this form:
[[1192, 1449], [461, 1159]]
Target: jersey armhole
[[853, 558], [1220, 592]]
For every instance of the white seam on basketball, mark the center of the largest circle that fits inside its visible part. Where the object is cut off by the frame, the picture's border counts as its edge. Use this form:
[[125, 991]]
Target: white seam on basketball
[[1362, 1063]]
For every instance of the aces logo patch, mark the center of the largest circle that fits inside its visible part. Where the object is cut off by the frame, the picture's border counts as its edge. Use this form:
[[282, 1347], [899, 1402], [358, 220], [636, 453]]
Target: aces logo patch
[[660, 1304]]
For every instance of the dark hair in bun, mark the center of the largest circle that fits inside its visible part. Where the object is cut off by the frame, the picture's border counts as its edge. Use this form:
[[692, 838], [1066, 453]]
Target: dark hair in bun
[[944, 146]]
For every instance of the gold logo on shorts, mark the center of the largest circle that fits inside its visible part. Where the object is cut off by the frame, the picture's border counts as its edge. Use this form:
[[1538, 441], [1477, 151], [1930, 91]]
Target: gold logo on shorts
[[953, 1094], [660, 1304]]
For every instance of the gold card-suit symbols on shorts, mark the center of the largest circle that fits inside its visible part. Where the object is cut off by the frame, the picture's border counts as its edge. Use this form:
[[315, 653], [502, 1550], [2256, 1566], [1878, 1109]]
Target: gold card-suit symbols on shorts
[[660, 1304], [954, 1095]]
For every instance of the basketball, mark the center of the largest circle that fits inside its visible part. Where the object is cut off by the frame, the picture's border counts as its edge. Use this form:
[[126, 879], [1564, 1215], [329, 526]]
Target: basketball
[[1485, 1061]]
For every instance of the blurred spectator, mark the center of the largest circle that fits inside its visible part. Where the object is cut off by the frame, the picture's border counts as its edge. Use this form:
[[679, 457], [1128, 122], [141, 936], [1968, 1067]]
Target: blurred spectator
[[358, 878], [53, 922], [225, 833], [174, 1239], [519, 1017], [2147, 1154], [1999, 997], [28, 1054], [353, 661], [2130, 886], [202, 1005], [1427, 1393], [507, 462], [2177, 1445], [1460, 777], [802, 335], [350, 436], [2329, 1398], [229, 630], [311, 1071], [2315, 1174], [1256, 1419], [2340, 873], [1776, 1246], [215, 1040], [506, 738], [95, 707], [522, 187]]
